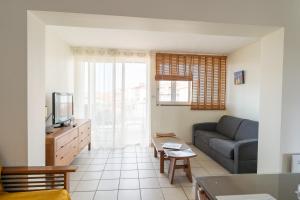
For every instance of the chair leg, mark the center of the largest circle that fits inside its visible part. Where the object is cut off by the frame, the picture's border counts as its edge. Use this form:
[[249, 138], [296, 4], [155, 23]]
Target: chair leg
[[187, 169], [66, 181], [172, 168]]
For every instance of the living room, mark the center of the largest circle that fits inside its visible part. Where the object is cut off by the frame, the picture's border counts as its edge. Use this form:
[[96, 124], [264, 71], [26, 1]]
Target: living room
[[256, 89]]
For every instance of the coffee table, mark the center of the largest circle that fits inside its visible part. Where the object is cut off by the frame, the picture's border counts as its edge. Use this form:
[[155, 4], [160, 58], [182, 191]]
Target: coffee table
[[158, 149]]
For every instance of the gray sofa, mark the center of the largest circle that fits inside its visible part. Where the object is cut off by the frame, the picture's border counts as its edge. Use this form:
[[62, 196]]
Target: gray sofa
[[232, 142]]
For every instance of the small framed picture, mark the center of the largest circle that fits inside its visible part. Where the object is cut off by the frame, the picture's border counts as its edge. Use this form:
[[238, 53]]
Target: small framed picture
[[239, 77]]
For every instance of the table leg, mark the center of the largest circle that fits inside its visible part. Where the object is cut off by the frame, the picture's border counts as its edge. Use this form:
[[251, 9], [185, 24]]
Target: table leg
[[162, 161], [187, 169], [155, 152], [172, 168]]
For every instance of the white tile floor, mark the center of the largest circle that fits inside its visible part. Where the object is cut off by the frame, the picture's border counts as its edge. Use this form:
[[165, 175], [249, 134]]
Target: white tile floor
[[132, 173]]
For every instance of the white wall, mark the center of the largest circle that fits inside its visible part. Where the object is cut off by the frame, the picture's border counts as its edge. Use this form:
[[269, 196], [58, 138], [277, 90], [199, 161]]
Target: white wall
[[243, 100], [178, 119], [36, 86], [269, 140], [290, 136], [260, 97], [59, 71], [13, 87]]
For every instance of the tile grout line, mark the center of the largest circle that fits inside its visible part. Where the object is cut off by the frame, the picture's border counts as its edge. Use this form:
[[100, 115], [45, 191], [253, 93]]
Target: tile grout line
[[140, 191], [141, 155], [185, 193], [99, 181], [119, 181]]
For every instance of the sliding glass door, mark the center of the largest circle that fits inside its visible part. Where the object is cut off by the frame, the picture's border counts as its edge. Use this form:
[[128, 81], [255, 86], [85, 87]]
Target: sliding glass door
[[115, 98]]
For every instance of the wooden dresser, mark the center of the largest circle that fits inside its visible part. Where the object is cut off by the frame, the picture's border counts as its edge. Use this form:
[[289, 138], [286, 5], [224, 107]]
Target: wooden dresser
[[65, 143]]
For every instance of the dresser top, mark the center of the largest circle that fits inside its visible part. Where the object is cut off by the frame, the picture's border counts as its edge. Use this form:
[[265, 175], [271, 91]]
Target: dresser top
[[57, 132]]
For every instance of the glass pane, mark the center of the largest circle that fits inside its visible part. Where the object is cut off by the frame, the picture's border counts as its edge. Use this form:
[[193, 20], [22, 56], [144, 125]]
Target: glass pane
[[103, 120], [182, 91], [135, 107], [165, 90]]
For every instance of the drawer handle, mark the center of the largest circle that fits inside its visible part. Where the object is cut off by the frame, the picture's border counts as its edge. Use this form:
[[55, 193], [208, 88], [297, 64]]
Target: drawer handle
[[61, 157], [62, 146]]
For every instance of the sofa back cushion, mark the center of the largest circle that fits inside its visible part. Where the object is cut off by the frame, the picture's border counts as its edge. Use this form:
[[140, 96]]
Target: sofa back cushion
[[247, 130], [228, 126]]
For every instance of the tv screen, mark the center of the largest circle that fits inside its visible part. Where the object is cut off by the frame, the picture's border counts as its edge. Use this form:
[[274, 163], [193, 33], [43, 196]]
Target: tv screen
[[62, 106]]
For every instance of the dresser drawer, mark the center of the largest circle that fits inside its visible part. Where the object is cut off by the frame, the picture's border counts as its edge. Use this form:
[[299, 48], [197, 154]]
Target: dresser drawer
[[65, 159], [85, 130], [83, 142], [71, 146], [83, 136], [64, 140], [66, 154]]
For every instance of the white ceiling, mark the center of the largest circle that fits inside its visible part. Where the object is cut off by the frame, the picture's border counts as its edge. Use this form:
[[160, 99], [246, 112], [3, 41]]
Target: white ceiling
[[150, 40], [150, 34]]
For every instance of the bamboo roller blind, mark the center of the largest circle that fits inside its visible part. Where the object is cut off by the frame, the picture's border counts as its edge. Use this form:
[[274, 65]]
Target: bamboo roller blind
[[207, 73], [173, 67]]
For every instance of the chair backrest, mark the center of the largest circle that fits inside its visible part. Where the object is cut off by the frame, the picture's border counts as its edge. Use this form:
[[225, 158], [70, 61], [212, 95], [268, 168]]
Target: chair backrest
[[228, 126], [1, 186], [247, 130]]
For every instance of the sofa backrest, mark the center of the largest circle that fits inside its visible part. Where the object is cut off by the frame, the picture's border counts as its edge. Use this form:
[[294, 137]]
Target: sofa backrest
[[247, 130], [228, 126]]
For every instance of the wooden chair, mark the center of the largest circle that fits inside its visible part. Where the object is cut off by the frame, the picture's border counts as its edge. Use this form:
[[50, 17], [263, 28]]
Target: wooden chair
[[31, 179]]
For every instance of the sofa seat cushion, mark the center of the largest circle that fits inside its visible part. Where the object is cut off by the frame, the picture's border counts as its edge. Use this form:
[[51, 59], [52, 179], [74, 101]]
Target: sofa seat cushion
[[37, 195], [206, 136], [224, 147], [228, 126]]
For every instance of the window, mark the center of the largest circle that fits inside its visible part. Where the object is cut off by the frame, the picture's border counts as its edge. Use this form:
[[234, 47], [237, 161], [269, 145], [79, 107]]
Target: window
[[174, 92], [175, 73]]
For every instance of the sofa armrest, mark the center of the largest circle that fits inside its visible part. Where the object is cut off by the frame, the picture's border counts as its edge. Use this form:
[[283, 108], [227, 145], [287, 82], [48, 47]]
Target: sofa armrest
[[244, 150], [207, 126]]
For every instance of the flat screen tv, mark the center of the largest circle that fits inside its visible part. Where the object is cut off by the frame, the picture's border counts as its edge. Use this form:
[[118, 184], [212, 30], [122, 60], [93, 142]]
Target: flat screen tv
[[62, 107]]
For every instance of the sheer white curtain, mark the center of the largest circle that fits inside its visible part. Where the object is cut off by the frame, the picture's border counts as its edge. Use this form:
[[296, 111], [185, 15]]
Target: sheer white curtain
[[111, 88]]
